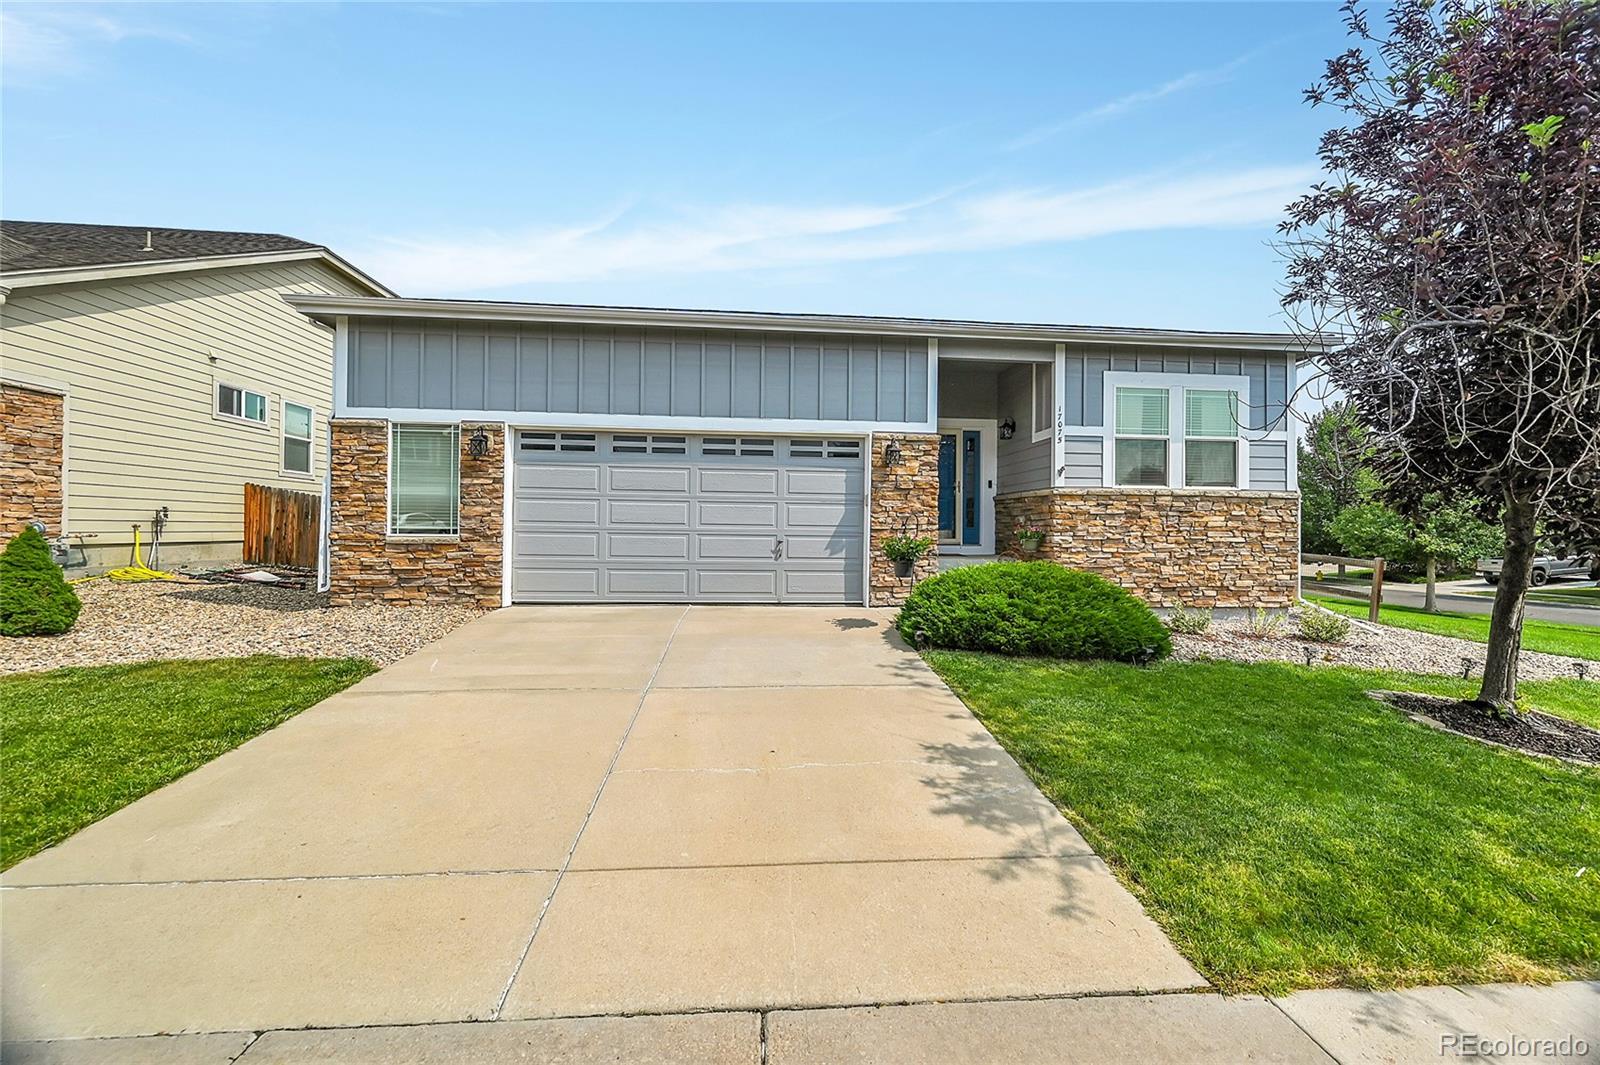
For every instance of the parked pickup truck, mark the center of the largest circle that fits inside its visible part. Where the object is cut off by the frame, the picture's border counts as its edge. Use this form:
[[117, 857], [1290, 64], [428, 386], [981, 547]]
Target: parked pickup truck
[[1545, 567]]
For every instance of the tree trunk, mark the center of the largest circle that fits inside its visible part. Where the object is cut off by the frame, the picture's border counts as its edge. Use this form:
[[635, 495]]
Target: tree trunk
[[1430, 601], [1499, 689]]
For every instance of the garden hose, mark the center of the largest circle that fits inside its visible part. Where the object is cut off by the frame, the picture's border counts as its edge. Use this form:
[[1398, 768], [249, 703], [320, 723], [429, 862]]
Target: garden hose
[[135, 570]]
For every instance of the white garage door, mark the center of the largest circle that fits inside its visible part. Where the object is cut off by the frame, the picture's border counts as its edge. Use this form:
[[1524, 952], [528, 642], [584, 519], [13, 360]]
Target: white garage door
[[618, 517]]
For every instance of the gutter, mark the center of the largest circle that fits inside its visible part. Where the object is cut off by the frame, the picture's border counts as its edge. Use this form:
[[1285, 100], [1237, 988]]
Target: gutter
[[70, 275], [326, 309]]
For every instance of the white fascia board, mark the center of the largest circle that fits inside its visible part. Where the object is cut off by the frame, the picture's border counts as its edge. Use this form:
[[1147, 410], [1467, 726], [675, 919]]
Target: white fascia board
[[325, 308], [655, 423], [73, 275]]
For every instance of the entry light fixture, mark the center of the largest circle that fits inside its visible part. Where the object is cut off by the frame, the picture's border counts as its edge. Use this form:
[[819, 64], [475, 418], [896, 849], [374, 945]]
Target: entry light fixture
[[891, 453], [1008, 429], [478, 444]]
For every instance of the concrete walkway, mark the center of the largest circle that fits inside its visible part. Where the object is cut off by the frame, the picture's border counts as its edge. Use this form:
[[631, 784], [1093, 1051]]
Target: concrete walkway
[[561, 834]]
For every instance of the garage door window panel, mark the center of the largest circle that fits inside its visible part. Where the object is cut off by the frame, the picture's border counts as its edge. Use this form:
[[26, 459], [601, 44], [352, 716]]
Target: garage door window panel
[[425, 481]]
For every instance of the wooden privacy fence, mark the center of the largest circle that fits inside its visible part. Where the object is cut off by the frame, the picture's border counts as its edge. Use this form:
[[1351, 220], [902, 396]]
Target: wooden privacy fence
[[280, 526]]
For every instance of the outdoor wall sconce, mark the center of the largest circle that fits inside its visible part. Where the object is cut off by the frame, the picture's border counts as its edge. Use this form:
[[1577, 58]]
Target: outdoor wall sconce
[[891, 453], [1008, 429], [478, 444]]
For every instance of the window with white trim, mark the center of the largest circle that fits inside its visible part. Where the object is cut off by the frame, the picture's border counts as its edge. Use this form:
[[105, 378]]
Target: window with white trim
[[1044, 399], [1143, 427], [425, 480], [296, 438], [233, 401], [1210, 438]]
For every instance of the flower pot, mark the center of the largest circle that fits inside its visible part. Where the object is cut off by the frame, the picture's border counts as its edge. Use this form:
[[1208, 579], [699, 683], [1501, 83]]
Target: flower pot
[[902, 567], [1029, 547]]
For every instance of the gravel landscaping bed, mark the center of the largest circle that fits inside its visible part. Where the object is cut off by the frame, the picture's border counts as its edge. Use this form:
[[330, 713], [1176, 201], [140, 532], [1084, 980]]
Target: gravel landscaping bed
[[1369, 647], [195, 619]]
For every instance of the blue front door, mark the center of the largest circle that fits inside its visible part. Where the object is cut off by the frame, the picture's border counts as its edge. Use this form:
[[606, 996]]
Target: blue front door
[[970, 478], [960, 475], [947, 487]]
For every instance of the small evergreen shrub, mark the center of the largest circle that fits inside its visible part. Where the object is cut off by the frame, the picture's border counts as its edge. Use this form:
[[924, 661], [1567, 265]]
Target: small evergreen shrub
[[35, 600], [1189, 622], [1033, 608], [1322, 626]]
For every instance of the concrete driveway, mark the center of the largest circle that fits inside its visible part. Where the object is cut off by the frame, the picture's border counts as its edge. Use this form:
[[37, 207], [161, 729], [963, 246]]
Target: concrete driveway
[[705, 813]]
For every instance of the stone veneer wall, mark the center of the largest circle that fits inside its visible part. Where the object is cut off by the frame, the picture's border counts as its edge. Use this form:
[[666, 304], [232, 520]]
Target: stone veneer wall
[[366, 565], [905, 502], [1213, 548], [32, 435]]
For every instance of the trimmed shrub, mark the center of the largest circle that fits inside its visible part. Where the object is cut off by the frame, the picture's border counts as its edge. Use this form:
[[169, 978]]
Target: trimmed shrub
[[1033, 608], [1322, 626], [35, 600], [1189, 622]]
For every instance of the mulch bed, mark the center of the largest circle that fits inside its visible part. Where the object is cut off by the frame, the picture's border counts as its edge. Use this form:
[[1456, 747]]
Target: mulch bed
[[1530, 731]]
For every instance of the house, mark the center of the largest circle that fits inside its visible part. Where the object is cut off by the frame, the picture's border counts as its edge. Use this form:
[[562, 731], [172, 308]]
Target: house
[[506, 453], [146, 370]]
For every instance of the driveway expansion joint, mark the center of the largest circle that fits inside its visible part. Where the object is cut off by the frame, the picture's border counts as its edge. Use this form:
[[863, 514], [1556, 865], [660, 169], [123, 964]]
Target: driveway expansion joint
[[566, 864], [421, 873]]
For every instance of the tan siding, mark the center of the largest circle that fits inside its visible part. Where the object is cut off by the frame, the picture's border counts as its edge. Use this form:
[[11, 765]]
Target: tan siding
[[140, 357]]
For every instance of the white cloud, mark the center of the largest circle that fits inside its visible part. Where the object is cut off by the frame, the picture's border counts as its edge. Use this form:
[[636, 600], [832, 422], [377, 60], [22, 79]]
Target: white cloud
[[765, 237], [1194, 79], [40, 41]]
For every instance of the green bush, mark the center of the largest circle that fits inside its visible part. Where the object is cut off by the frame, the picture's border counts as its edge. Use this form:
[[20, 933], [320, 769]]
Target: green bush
[[1188, 621], [1033, 608], [1322, 626], [35, 600]]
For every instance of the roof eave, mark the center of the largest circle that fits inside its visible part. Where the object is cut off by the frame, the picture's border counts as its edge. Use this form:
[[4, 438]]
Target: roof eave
[[327, 309], [70, 275]]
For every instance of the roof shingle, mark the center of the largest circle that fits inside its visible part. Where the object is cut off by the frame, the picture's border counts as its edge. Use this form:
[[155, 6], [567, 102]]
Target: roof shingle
[[59, 245]]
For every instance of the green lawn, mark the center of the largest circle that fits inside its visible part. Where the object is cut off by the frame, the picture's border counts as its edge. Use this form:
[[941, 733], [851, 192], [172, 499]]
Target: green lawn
[[1552, 637], [1582, 596], [82, 743], [1288, 831]]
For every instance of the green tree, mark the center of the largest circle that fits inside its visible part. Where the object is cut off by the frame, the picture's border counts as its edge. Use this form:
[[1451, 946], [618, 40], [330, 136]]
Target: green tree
[[35, 600], [1335, 474], [1451, 533]]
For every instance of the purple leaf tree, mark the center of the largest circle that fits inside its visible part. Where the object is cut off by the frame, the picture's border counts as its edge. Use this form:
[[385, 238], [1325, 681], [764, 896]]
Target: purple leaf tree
[[1454, 245]]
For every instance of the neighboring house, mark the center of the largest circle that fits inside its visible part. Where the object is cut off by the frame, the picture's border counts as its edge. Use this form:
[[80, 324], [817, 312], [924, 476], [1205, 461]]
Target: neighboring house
[[146, 370], [519, 453]]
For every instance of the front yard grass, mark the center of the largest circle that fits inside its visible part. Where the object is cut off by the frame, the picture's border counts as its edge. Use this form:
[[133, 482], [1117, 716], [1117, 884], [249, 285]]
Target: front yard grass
[[1288, 831], [79, 744], [1551, 637]]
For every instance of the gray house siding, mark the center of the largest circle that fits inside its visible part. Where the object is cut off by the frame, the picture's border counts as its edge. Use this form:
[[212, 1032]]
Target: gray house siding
[[1084, 460], [1269, 464], [1022, 464], [1086, 367], [604, 371]]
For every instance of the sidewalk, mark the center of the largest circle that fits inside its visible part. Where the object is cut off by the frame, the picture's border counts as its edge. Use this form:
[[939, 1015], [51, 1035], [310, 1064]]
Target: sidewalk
[[1495, 1022]]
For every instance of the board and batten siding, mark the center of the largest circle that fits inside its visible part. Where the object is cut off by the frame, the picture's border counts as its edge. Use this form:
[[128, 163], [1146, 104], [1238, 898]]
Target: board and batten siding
[[1086, 368], [140, 357], [675, 373], [1022, 463]]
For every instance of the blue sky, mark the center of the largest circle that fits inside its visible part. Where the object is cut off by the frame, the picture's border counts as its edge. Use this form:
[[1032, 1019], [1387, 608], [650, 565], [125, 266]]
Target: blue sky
[[1107, 164]]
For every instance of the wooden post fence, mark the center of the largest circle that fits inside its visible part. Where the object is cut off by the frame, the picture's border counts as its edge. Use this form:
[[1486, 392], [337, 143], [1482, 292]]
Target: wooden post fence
[[281, 527], [1374, 594]]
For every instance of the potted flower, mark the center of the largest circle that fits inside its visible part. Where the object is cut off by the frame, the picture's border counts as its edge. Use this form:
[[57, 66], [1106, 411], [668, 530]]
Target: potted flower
[[904, 551], [1029, 537]]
